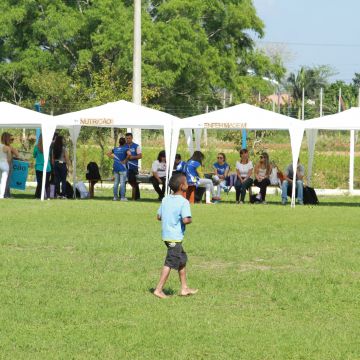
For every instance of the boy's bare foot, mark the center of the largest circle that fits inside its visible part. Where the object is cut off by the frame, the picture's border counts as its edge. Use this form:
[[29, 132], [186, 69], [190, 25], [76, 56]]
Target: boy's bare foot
[[188, 291], [160, 294]]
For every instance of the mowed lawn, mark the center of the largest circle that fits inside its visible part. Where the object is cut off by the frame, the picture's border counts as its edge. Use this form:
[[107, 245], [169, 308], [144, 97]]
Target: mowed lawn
[[274, 282]]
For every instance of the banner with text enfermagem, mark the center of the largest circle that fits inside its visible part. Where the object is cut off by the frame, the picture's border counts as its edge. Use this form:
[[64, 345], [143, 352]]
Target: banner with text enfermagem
[[20, 170]]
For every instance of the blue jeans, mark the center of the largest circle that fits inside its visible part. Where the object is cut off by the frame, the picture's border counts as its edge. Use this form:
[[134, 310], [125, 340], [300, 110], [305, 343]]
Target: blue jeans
[[299, 189], [120, 178]]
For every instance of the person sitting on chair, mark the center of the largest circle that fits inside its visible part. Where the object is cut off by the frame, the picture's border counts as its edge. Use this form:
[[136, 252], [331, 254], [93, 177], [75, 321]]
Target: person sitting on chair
[[289, 175], [262, 173], [244, 170], [221, 172], [195, 176], [179, 165], [158, 177]]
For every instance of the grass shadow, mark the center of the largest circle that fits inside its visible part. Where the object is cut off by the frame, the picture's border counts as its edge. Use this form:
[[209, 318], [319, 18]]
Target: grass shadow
[[167, 291], [341, 204]]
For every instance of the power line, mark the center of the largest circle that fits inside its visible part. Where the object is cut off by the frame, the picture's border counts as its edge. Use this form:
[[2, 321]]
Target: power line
[[308, 44]]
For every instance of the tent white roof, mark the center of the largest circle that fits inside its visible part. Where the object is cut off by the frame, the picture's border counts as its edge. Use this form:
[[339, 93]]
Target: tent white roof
[[117, 114], [243, 116], [346, 120], [14, 116]]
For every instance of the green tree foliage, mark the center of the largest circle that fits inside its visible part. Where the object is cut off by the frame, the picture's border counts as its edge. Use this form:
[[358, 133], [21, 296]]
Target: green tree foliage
[[349, 97], [311, 80], [78, 53]]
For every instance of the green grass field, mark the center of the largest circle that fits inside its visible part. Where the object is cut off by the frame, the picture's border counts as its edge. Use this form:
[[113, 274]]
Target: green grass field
[[274, 282]]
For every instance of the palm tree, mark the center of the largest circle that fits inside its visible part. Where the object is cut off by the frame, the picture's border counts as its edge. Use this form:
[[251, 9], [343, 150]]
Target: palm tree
[[309, 79]]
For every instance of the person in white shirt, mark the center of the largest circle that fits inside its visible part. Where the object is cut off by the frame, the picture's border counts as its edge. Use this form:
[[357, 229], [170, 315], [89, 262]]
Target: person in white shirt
[[5, 159], [158, 177], [244, 169], [8, 140], [262, 173]]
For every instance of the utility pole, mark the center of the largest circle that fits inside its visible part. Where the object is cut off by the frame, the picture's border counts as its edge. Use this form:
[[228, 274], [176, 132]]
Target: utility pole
[[205, 129], [321, 102], [339, 109], [137, 65], [303, 105]]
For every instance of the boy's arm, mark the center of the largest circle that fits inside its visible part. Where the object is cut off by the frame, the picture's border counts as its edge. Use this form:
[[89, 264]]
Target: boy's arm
[[186, 213]]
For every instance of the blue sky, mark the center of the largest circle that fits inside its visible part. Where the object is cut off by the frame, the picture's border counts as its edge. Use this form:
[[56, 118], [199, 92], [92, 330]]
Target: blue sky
[[332, 25]]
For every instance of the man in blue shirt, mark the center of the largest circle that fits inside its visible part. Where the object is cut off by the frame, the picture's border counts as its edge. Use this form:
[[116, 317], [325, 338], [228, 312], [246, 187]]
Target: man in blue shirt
[[134, 152], [174, 213], [120, 157]]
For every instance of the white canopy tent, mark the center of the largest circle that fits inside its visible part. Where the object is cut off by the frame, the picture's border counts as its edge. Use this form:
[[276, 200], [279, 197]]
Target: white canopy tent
[[239, 117], [346, 120], [117, 114], [13, 116]]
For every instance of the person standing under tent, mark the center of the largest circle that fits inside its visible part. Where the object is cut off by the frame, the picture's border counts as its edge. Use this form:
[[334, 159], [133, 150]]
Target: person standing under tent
[[288, 180], [8, 141], [179, 165], [38, 154], [5, 159], [158, 177], [221, 169], [262, 173], [244, 170], [52, 174], [60, 161], [120, 157], [195, 176], [134, 152]]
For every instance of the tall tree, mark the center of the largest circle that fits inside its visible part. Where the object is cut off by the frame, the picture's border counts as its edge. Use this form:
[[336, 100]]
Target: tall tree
[[309, 79], [192, 50]]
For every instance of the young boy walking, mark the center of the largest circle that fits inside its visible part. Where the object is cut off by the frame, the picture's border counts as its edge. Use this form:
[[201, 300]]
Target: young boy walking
[[174, 213]]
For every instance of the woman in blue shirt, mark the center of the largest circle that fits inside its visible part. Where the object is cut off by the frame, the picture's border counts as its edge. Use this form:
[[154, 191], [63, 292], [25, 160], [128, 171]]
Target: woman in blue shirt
[[221, 172], [38, 154], [194, 176], [120, 157]]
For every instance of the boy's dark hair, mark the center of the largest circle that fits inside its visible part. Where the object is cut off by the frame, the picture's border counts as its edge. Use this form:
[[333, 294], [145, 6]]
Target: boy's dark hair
[[161, 154], [198, 156], [243, 151], [176, 181], [129, 134], [177, 157], [122, 141]]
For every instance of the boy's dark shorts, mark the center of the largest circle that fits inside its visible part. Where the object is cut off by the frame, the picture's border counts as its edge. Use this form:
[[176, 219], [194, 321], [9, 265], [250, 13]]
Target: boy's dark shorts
[[176, 257]]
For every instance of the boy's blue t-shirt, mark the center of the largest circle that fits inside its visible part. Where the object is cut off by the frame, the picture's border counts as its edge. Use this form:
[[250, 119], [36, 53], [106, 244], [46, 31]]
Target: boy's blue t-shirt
[[120, 155], [172, 210], [192, 176], [221, 168]]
